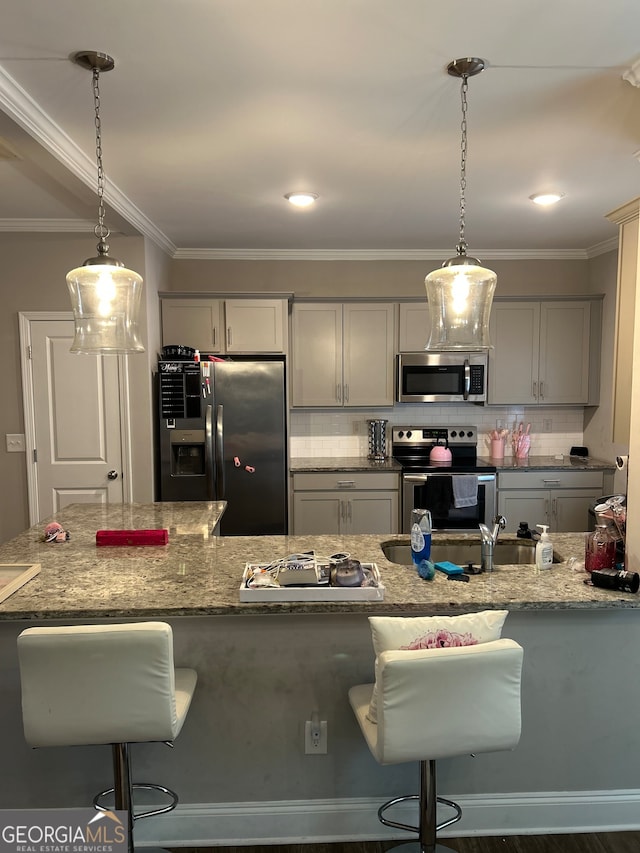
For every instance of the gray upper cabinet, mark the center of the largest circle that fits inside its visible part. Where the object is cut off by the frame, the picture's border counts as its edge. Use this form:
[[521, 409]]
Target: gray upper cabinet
[[415, 326], [545, 353], [226, 325], [343, 354]]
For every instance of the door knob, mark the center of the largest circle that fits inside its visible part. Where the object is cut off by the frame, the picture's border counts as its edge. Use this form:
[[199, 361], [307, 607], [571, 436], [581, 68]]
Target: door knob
[[112, 475]]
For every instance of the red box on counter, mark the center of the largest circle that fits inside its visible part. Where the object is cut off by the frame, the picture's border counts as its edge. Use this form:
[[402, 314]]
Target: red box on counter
[[132, 537]]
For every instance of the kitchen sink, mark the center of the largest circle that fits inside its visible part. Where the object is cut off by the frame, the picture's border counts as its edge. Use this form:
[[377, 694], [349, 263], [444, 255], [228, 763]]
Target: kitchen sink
[[505, 552]]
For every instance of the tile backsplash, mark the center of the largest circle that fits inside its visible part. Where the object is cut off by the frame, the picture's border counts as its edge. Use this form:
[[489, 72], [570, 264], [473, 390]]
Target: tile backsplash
[[331, 432]]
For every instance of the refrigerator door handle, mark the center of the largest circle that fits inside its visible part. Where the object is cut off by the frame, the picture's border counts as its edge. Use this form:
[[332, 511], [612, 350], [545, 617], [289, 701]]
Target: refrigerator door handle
[[219, 454], [209, 459]]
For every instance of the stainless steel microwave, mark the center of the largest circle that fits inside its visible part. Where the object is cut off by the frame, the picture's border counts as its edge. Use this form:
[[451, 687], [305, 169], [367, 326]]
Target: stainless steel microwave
[[442, 377]]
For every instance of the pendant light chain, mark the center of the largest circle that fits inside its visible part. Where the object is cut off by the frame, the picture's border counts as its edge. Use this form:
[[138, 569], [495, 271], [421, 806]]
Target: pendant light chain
[[461, 248], [101, 231]]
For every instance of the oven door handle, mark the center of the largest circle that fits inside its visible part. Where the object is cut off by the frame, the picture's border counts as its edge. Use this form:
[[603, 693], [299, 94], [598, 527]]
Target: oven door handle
[[422, 478]]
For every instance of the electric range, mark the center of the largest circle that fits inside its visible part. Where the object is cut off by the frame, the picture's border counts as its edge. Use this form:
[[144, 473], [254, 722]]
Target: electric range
[[460, 494]]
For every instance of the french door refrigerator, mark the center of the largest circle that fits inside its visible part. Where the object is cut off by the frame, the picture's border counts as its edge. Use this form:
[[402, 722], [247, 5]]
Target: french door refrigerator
[[223, 437]]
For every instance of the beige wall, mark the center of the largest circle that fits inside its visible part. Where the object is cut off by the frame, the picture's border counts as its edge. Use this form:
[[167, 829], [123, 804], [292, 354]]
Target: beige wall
[[598, 422], [343, 279], [32, 278]]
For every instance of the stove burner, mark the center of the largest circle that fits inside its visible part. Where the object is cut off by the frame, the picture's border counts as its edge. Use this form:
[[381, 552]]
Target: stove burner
[[411, 446]]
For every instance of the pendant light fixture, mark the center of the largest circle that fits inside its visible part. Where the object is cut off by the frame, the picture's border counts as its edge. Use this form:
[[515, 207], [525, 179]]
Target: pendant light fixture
[[105, 296], [461, 292]]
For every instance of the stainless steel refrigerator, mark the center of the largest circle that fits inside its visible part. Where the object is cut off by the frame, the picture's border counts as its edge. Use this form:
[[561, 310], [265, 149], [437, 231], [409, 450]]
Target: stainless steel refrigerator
[[223, 437]]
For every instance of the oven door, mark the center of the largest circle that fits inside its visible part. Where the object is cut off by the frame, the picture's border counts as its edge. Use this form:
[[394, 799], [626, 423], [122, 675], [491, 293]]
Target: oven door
[[439, 492]]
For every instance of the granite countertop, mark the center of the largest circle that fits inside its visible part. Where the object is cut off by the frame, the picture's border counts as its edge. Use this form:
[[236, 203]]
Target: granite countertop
[[534, 463], [531, 463], [342, 463], [198, 573]]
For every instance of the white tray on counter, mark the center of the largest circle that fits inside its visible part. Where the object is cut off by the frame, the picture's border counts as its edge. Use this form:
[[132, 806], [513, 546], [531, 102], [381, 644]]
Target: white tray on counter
[[314, 593]]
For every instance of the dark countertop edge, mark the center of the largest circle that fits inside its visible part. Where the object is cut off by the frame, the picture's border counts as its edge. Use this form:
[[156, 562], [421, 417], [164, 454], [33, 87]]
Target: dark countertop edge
[[320, 464], [323, 608], [309, 464], [549, 463]]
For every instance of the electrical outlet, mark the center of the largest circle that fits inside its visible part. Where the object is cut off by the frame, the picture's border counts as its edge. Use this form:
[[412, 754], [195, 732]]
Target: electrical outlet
[[315, 737], [356, 428], [15, 443], [499, 424], [547, 425]]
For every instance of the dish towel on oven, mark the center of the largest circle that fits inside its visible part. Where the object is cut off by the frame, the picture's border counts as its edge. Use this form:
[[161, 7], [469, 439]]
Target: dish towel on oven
[[465, 490]]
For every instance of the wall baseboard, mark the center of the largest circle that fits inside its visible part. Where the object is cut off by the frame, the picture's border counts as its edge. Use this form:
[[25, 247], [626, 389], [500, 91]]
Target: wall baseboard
[[324, 821]]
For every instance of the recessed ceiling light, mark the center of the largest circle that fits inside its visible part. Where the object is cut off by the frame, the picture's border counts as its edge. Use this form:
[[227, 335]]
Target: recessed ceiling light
[[546, 199], [301, 199]]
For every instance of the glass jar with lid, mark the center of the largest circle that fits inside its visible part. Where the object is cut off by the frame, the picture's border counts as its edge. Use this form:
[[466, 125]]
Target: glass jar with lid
[[600, 549]]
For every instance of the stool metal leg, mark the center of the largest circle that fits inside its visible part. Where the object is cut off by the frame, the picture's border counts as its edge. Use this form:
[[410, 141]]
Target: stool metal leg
[[427, 826], [122, 785], [123, 790]]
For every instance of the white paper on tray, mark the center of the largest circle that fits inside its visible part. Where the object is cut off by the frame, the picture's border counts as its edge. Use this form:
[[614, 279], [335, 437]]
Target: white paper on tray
[[313, 593]]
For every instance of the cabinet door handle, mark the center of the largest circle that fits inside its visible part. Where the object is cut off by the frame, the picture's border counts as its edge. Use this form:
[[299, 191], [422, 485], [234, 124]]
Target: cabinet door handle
[[228, 335], [554, 508], [541, 391], [215, 336], [546, 508], [346, 393], [548, 482], [349, 516], [346, 484], [342, 503], [535, 391], [338, 393]]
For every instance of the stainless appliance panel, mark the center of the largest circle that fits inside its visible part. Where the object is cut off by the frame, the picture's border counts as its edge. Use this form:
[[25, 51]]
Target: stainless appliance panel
[[424, 490], [251, 397], [234, 414], [433, 377]]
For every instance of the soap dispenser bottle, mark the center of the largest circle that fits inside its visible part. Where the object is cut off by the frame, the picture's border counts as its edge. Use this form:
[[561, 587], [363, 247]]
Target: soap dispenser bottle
[[544, 549]]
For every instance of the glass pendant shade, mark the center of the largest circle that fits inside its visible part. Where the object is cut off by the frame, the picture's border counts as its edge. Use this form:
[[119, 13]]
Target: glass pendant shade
[[460, 296], [106, 302]]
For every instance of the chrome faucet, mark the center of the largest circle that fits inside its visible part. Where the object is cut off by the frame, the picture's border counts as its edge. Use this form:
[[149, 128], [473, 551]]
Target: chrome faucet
[[488, 541]]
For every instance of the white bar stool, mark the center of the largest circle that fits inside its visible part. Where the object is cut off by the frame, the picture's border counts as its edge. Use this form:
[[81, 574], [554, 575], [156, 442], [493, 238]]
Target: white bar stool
[[105, 684], [440, 703]]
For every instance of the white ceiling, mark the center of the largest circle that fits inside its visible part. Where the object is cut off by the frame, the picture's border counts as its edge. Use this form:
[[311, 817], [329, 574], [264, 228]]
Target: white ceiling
[[217, 108]]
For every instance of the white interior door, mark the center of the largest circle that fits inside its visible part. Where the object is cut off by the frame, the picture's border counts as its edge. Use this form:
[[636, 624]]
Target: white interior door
[[72, 418]]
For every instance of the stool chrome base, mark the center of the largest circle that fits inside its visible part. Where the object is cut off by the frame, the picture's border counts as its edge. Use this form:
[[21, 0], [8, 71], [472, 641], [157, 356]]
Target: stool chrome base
[[427, 826], [123, 789]]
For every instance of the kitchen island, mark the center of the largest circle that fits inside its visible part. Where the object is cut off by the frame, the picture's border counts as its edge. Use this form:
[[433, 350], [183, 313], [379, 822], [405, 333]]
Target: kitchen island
[[199, 573], [239, 764]]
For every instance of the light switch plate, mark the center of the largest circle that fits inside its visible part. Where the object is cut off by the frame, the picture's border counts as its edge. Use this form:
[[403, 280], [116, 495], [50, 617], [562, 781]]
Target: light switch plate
[[15, 443]]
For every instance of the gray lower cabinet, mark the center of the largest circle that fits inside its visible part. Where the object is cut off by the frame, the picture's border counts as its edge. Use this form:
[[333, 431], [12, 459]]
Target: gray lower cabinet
[[560, 499], [344, 503]]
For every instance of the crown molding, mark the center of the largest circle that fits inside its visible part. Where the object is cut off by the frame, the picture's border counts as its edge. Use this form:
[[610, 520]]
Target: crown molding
[[21, 107], [632, 74], [69, 226], [610, 245], [435, 255]]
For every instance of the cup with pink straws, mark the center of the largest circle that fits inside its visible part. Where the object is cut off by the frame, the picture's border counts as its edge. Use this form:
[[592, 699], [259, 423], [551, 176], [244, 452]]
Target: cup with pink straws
[[521, 441], [497, 438]]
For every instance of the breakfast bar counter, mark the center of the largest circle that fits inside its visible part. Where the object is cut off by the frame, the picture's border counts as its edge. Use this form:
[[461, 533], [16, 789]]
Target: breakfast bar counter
[[239, 765], [199, 573]]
